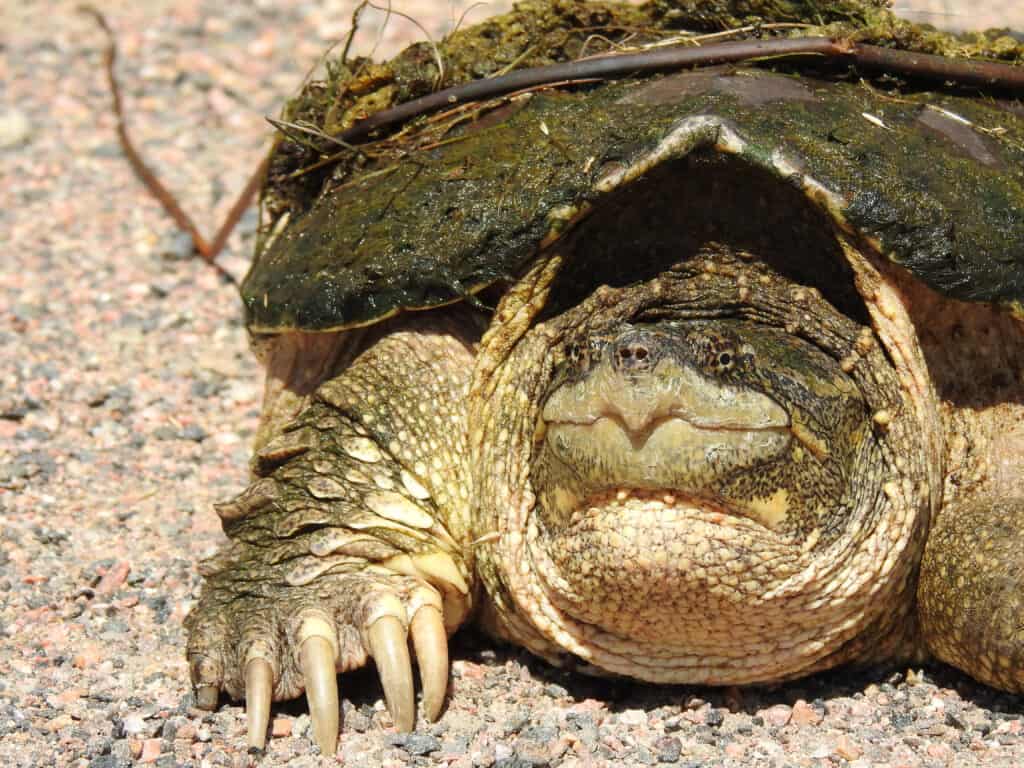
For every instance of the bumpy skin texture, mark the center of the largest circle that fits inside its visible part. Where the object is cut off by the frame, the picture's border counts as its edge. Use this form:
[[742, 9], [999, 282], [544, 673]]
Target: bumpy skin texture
[[972, 590], [358, 513], [655, 588]]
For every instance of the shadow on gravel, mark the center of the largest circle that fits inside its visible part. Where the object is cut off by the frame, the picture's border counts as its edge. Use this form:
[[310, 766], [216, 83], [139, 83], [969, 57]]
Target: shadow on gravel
[[620, 694], [506, 665]]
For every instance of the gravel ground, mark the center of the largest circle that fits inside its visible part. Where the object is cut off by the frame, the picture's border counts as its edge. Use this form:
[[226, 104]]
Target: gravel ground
[[128, 399]]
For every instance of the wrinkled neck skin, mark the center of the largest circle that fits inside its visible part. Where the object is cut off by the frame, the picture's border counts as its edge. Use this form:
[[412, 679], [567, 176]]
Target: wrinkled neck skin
[[972, 358], [710, 477]]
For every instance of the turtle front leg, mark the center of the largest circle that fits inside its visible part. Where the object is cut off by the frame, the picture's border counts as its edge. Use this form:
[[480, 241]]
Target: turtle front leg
[[348, 544], [971, 591]]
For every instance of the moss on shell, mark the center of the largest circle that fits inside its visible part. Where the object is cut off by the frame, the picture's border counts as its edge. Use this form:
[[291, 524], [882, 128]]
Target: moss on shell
[[364, 235]]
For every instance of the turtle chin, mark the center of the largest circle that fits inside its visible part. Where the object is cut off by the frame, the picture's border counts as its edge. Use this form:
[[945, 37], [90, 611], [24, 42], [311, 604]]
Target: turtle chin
[[660, 570]]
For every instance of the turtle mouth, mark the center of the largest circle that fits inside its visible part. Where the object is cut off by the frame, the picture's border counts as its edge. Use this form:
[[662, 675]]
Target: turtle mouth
[[674, 432], [669, 457], [676, 427]]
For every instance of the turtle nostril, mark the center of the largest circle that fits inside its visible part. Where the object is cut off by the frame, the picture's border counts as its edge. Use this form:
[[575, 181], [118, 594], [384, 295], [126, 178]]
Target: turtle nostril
[[632, 355]]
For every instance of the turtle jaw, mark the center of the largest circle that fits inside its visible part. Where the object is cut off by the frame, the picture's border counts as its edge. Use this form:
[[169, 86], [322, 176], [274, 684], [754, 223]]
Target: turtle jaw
[[665, 458]]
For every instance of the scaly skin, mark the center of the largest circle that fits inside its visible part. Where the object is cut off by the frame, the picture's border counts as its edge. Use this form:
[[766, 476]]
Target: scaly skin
[[811, 549], [626, 496], [356, 523]]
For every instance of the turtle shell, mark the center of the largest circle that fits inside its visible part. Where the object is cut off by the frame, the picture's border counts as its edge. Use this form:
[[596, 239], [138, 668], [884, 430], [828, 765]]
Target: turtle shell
[[933, 180]]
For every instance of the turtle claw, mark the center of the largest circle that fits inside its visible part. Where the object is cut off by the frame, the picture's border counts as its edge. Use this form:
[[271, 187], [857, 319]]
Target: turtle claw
[[244, 656], [206, 697], [430, 641], [317, 657], [390, 650], [259, 687]]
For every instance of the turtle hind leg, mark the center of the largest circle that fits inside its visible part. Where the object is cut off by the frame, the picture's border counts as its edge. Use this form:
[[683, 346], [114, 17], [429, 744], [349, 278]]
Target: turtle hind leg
[[971, 590]]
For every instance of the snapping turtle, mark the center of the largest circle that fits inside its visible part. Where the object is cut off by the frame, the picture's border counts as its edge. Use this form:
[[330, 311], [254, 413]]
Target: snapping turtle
[[721, 382]]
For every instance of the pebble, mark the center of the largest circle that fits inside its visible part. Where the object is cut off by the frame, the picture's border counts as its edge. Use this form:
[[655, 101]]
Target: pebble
[[633, 717], [301, 726], [804, 714], [415, 743], [15, 128], [59, 723], [847, 749], [735, 750], [777, 715], [136, 725], [114, 577], [668, 749], [151, 749], [714, 717]]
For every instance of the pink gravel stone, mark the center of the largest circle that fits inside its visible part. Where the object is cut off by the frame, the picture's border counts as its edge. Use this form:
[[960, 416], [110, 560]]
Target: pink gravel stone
[[846, 749], [777, 715], [114, 578], [469, 670], [282, 726], [59, 723], [804, 714], [735, 750], [150, 750], [940, 751]]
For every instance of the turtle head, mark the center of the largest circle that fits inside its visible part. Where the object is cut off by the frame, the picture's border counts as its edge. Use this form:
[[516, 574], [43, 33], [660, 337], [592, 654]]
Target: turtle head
[[720, 414], [705, 476]]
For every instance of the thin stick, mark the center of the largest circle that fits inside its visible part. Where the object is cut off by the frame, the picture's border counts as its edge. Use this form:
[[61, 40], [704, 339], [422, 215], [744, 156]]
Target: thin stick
[[206, 250], [242, 202], [984, 74], [352, 30], [965, 71]]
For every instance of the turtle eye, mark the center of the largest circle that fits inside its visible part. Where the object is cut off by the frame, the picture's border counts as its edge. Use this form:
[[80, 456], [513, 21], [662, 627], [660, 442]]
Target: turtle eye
[[722, 359], [716, 353], [576, 354]]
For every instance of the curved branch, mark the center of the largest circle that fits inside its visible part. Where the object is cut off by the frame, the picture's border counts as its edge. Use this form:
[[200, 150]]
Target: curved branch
[[208, 251], [928, 66]]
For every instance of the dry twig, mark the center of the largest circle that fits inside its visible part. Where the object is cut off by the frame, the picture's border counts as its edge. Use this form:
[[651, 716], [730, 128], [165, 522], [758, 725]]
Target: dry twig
[[208, 250], [655, 58]]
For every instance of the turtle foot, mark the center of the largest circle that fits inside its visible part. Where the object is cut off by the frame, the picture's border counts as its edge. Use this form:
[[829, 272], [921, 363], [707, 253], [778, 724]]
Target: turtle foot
[[264, 648]]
